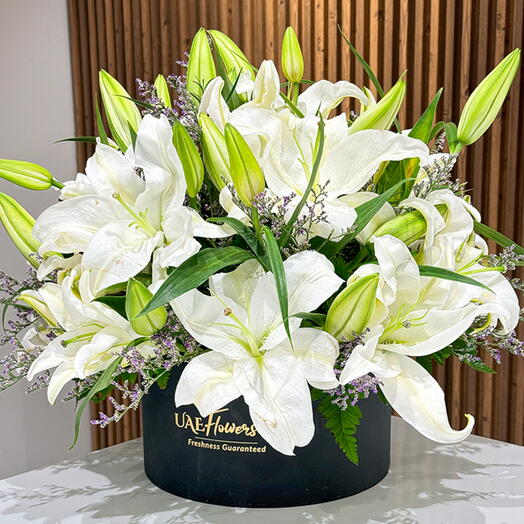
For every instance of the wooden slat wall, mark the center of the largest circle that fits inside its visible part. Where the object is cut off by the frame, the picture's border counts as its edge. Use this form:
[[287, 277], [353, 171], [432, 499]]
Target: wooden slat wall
[[449, 43]]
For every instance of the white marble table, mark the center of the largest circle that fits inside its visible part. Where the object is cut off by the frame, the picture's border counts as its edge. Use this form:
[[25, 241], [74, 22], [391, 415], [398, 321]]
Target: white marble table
[[475, 482]]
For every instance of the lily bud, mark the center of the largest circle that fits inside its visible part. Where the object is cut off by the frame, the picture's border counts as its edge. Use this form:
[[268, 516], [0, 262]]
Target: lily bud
[[26, 174], [200, 67], [162, 90], [34, 300], [409, 227], [486, 100], [190, 159], [353, 308], [19, 226], [122, 113], [234, 60], [137, 298], [214, 151], [245, 172], [383, 113], [292, 59]]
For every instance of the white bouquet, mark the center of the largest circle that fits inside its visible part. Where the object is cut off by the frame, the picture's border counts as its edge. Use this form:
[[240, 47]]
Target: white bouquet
[[280, 252]]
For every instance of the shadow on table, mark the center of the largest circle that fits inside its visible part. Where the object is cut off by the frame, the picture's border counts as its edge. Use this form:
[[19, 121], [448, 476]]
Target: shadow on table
[[423, 480]]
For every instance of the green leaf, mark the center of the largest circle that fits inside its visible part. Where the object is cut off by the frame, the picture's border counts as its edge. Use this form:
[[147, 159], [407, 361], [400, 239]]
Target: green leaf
[[451, 135], [90, 139], [365, 212], [446, 274], [342, 424], [422, 129], [195, 271], [101, 129], [293, 108], [318, 318], [437, 128], [277, 268], [364, 64], [395, 172], [440, 357], [499, 238], [117, 303], [163, 379], [319, 145], [478, 365], [368, 70], [103, 382], [247, 234]]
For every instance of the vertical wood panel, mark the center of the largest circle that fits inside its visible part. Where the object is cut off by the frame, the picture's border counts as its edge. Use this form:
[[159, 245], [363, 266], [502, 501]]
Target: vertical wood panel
[[441, 43]]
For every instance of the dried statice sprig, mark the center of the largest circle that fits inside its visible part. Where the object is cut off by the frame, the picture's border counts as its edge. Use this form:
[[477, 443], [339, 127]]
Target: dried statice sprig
[[507, 259], [489, 339], [147, 93], [173, 345], [183, 107], [439, 177], [16, 363], [362, 387], [274, 213]]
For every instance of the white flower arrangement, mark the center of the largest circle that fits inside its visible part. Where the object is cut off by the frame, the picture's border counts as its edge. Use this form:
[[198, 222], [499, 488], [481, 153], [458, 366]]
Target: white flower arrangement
[[280, 252]]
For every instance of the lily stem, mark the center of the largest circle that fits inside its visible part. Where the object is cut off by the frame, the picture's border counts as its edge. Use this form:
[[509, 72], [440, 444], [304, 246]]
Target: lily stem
[[56, 183]]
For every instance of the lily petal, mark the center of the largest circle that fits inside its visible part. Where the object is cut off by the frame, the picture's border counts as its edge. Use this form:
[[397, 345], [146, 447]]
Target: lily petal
[[118, 252], [276, 391], [61, 376], [207, 382], [206, 320], [323, 96], [213, 103], [318, 351], [416, 396], [354, 161]]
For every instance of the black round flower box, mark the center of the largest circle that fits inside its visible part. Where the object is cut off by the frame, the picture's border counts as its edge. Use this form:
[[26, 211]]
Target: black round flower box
[[221, 459]]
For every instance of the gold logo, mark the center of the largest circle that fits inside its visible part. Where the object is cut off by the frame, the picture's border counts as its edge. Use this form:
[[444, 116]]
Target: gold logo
[[215, 431]]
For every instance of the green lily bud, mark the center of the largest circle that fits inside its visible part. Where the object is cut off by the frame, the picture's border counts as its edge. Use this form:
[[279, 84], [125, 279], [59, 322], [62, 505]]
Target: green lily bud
[[137, 298], [245, 172], [162, 90], [409, 227], [214, 151], [383, 113], [19, 226], [200, 67], [26, 174], [190, 159], [292, 59], [486, 100], [33, 300], [353, 308], [231, 55], [122, 114]]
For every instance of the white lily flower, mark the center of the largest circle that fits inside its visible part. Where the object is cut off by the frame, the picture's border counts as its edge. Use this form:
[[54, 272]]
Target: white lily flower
[[92, 334], [251, 355], [119, 220], [407, 325], [451, 243], [284, 144]]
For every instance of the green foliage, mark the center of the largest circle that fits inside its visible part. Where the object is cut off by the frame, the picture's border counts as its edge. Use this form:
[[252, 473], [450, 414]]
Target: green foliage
[[466, 354], [497, 237], [365, 212], [446, 274], [342, 424], [102, 383], [163, 379], [195, 271], [277, 268]]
